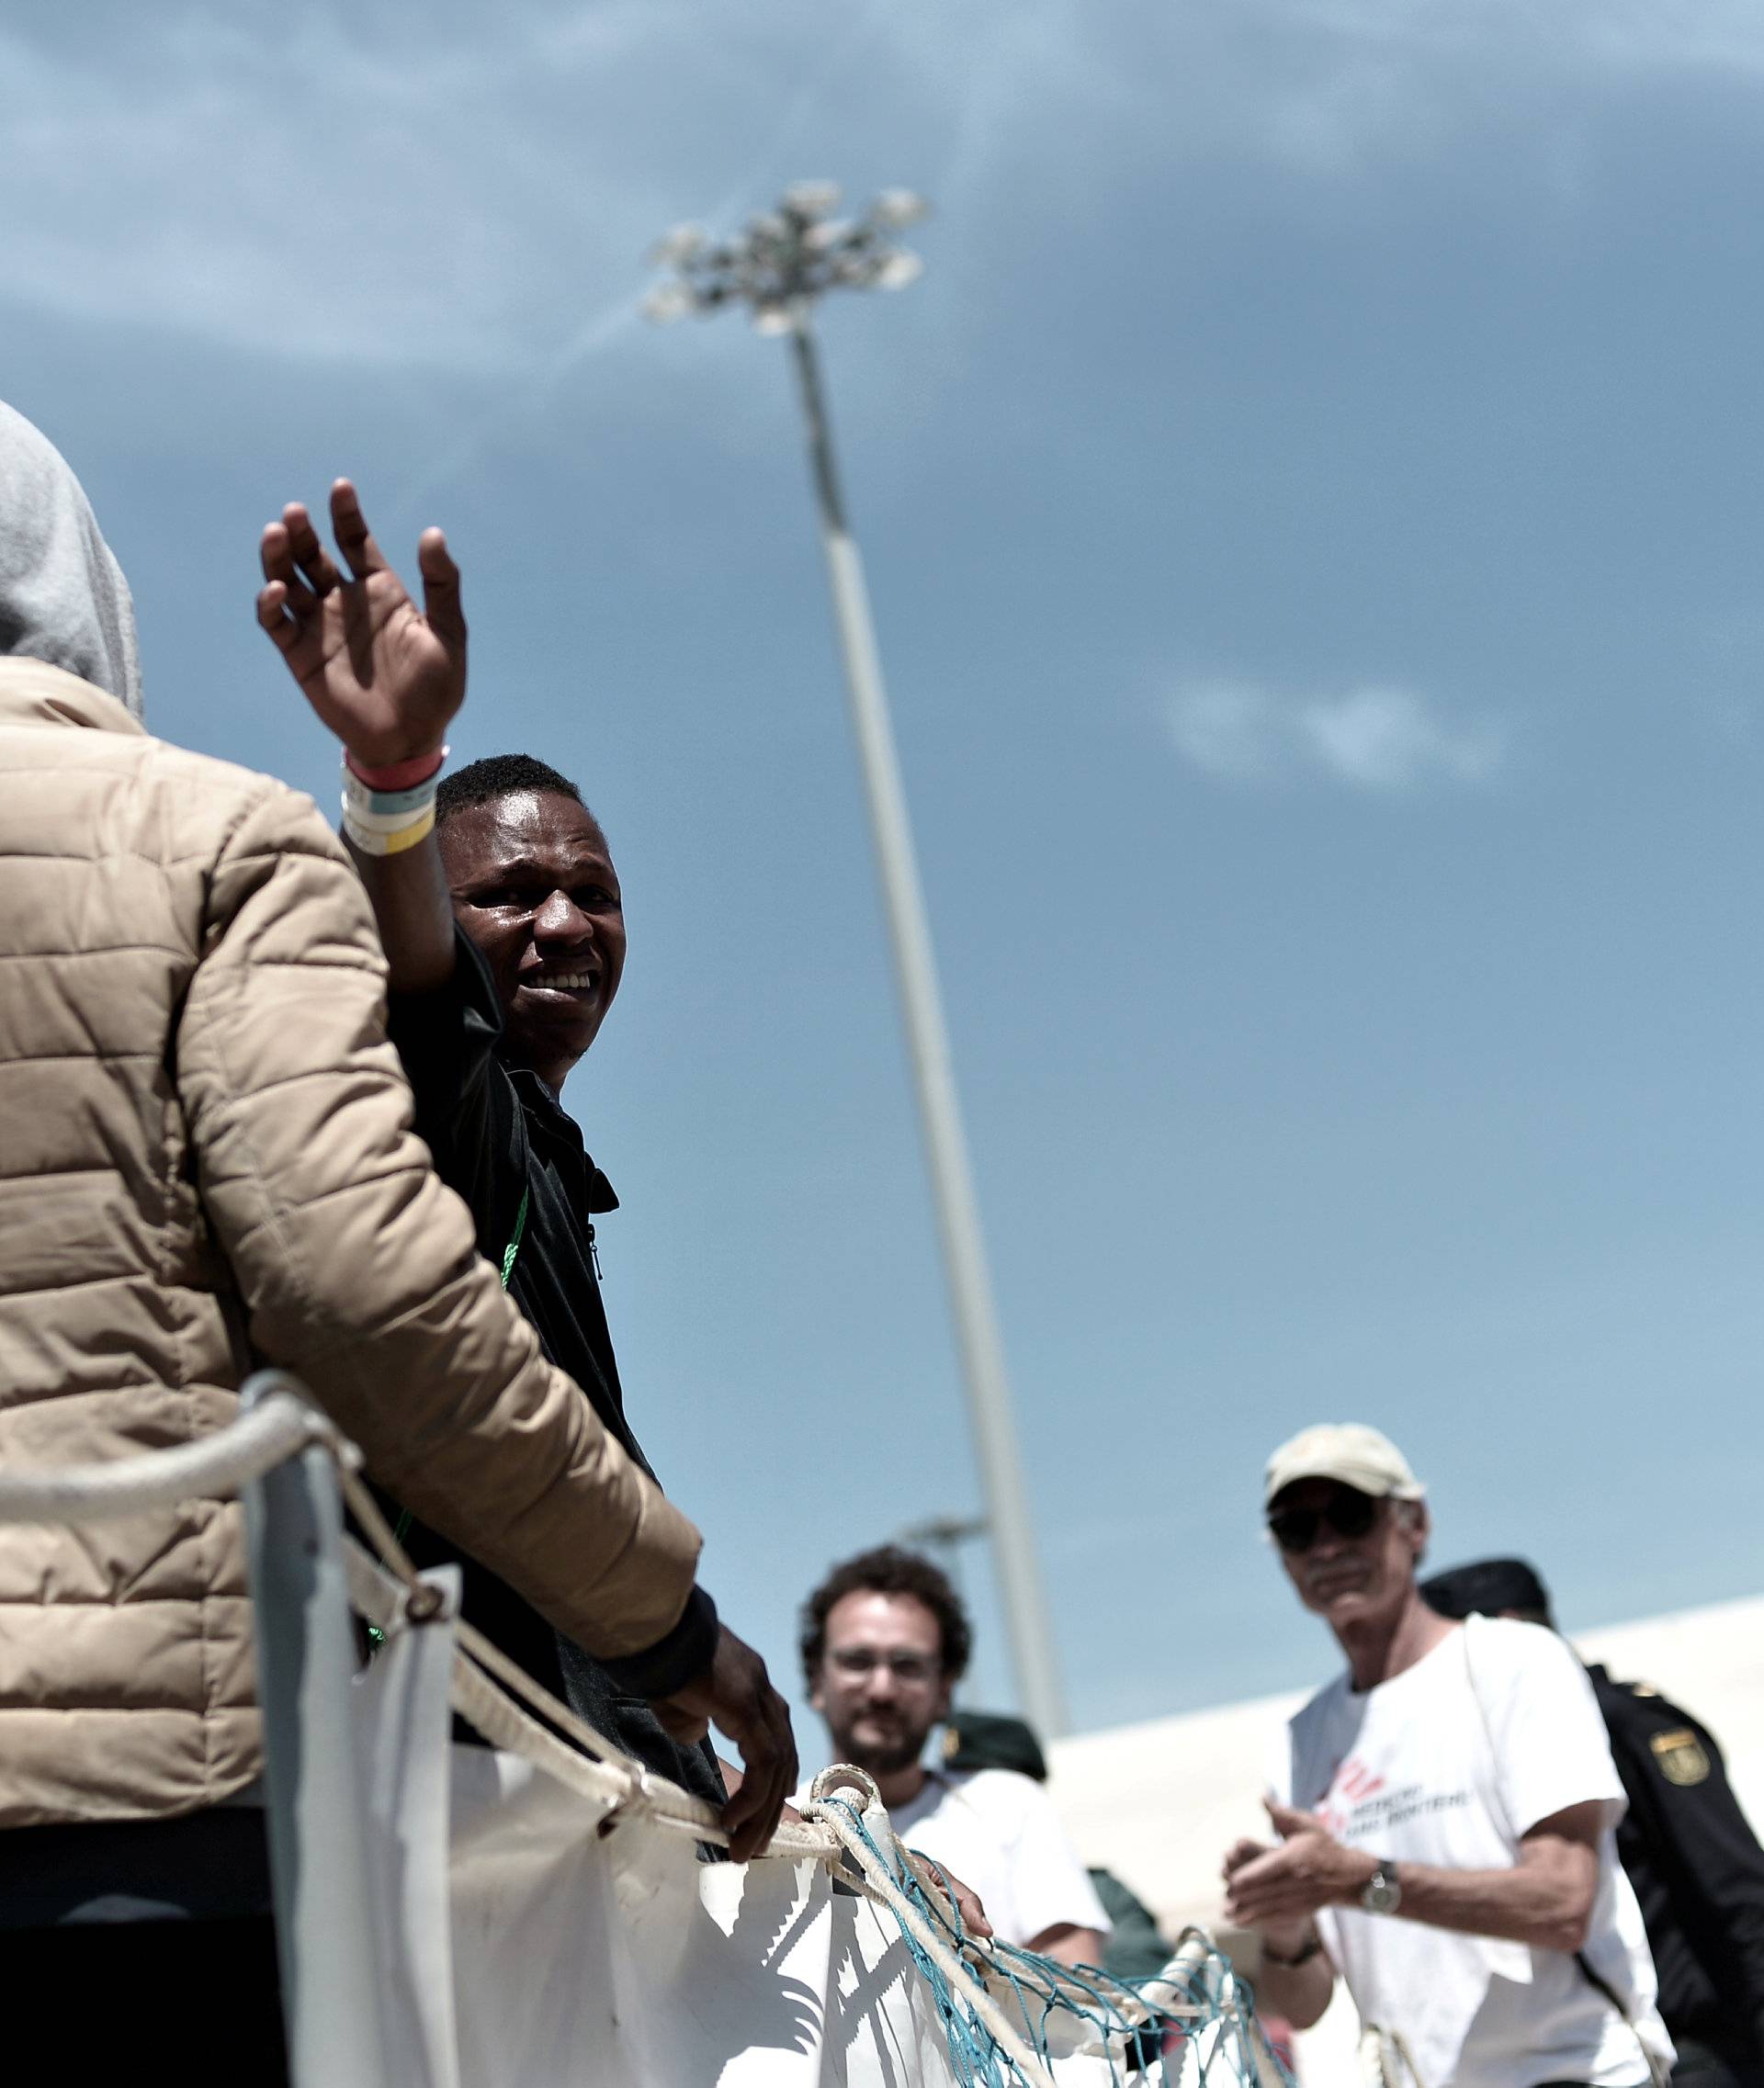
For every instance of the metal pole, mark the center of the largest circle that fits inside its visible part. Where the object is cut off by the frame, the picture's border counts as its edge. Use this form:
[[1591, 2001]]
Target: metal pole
[[958, 1218], [325, 1925]]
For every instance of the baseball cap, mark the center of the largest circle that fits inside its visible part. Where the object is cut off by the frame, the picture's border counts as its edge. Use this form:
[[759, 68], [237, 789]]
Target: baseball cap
[[1485, 1587], [1348, 1451], [989, 1740]]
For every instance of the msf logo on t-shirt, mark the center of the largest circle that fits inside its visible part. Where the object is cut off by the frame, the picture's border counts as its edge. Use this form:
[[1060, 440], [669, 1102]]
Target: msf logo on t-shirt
[[1359, 1807], [1350, 1789]]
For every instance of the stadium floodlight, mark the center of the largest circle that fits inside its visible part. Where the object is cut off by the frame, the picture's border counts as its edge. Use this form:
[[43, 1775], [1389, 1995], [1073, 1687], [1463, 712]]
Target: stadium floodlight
[[684, 243], [812, 198], [788, 257], [895, 270], [898, 207], [781, 263], [667, 301]]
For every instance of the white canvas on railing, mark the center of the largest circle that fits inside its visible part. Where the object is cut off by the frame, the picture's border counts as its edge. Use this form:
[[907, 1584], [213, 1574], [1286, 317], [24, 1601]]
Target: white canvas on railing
[[538, 1914]]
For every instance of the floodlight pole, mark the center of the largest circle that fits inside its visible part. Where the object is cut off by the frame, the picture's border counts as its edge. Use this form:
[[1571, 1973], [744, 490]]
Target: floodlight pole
[[958, 1217]]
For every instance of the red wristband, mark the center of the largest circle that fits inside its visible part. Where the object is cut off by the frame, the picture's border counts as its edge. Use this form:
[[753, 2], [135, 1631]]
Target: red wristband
[[397, 775]]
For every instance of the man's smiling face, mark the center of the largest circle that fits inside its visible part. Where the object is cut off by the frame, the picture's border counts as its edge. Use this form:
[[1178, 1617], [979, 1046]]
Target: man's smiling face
[[534, 887]]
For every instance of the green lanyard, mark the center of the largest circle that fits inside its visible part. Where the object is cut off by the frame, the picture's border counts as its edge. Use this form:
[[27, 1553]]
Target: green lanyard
[[509, 1253], [514, 1247]]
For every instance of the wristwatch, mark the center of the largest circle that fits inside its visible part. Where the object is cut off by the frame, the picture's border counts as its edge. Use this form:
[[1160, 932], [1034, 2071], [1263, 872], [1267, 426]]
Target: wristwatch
[[1382, 1894]]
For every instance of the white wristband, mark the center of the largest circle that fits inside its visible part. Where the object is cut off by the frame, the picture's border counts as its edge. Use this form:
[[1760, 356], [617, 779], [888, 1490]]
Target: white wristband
[[378, 842]]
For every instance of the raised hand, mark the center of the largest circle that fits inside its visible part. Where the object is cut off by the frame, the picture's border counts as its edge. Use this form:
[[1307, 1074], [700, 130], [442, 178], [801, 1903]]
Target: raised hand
[[385, 676]]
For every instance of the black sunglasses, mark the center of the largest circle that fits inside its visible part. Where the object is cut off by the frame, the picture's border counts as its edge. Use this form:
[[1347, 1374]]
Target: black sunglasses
[[1348, 1512]]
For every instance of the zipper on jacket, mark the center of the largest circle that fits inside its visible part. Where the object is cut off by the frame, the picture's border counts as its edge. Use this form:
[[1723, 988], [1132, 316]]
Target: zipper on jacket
[[593, 1254]]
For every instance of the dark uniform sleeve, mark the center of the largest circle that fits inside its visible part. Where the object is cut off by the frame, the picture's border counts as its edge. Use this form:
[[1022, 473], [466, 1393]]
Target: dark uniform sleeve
[[1700, 1841], [466, 1113]]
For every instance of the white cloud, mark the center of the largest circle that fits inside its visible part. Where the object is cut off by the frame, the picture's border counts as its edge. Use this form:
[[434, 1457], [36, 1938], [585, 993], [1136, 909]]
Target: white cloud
[[1227, 729], [468, 192], [462, 185], [1374, 738]]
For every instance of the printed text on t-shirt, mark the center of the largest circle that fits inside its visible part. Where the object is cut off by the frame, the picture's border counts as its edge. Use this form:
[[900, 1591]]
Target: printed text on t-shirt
[[1358, 1807]]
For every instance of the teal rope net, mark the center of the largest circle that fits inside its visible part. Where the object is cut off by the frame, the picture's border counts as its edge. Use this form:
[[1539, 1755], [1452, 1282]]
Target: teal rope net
[[1192, 2025]]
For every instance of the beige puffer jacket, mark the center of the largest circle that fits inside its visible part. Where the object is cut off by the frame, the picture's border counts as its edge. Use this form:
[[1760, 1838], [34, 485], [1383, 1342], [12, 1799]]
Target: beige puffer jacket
[[206, 1158]]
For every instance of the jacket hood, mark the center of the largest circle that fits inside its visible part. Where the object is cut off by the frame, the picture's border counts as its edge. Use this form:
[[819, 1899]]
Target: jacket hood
[[62, 596]]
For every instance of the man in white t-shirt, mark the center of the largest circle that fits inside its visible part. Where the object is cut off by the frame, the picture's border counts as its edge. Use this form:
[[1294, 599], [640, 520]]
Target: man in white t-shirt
[[885, 1640], [1445, 1811]]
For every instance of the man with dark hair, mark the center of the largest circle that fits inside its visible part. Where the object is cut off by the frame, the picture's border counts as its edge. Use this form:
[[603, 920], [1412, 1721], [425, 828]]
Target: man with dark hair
[[884, 1639], [1689, 1849], [501, 915], [497, 775], [890, 1570]]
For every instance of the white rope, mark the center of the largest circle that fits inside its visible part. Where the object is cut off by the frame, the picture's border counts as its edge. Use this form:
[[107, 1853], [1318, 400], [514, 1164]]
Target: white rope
[[261, 1437], [1194, 1947], [608, 1778], [386, 1601], [1168, 1992], [1381, 2052], [885, 1887], [515, 1678]]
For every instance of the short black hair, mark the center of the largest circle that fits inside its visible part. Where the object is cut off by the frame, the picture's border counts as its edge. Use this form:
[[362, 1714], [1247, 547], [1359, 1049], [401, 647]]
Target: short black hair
[[887, 1569], [499, 776]]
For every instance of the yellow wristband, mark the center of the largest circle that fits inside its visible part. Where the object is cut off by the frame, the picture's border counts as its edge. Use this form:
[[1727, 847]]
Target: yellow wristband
[[397, 843], [371, 842]]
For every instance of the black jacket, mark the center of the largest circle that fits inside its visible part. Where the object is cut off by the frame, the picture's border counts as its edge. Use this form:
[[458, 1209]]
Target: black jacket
[[1696, 1867], [501, 1142]]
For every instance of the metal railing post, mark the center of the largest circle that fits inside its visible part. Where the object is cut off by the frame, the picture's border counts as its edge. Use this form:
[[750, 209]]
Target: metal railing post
[[317, 1814]]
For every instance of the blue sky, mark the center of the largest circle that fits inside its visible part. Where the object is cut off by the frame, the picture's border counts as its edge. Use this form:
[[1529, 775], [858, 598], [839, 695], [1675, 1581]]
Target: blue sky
[[1313, 503]]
